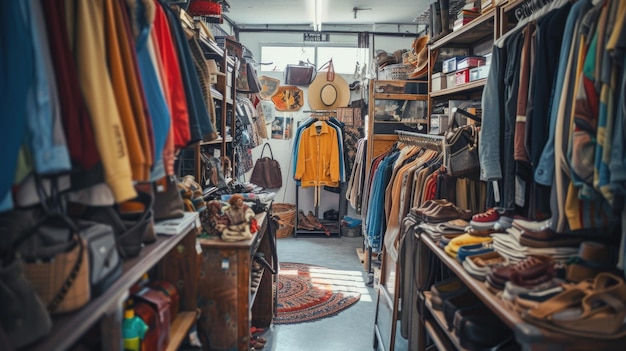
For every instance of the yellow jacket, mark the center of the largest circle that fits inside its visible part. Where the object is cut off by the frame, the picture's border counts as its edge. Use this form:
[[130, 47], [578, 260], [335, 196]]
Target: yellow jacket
[[318, 156]]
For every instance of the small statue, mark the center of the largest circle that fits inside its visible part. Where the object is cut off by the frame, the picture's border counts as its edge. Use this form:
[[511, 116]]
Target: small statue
[[240, 221]]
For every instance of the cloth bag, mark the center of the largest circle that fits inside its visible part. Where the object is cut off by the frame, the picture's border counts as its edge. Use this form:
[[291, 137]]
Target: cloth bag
[[267, 172]]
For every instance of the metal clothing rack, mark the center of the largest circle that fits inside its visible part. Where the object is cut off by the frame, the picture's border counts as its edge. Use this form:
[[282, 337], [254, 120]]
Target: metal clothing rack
[[427, 141]]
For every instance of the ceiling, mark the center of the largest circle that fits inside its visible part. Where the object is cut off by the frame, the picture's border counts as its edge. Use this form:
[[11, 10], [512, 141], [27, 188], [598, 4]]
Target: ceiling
[[371, 15]]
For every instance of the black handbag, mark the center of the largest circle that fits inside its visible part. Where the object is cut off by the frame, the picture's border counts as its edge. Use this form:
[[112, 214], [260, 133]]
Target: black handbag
[[266, 172], [461, 152], [301, 74]]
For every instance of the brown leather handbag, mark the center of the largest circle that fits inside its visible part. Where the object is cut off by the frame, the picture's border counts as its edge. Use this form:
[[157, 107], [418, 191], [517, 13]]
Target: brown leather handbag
[[168, 204], [157, 317], [267, 172]]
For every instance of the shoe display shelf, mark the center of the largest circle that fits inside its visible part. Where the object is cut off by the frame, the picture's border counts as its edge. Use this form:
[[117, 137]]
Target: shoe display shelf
[[331, 227], [529, 336]]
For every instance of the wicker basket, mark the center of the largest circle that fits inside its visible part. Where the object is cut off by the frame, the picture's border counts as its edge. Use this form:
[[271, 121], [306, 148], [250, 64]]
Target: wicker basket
[[398, 71], [287, 215]]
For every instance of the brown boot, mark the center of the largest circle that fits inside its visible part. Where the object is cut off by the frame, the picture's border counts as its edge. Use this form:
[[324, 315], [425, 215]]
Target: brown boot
[[313, 220], [303, 222]]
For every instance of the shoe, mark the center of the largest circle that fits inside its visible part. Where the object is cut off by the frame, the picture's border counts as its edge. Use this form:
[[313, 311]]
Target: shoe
[[430, 205], [258, 339], [313, 220], [535, 269], [485, 220], [445, 213], [303, 222]]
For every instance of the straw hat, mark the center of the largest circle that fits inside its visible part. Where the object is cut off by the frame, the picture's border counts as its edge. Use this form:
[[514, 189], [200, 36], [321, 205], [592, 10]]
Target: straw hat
[[328, 95], [288, 98], [269, 87], [214, 71], [420, 46]]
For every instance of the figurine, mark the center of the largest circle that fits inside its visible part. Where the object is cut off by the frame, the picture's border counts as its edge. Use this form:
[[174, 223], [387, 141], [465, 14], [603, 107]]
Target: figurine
[[239, 220]]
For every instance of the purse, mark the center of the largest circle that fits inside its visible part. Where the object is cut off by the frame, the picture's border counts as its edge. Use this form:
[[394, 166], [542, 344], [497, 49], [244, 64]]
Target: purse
[[104, 261], [56, 263], [461, 152], [266, 172], [168, 204], [301, 74]]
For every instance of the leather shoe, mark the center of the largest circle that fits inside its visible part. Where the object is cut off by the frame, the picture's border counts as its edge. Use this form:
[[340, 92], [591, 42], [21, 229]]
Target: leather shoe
[[444, 290], [446, 213], [533, 266]]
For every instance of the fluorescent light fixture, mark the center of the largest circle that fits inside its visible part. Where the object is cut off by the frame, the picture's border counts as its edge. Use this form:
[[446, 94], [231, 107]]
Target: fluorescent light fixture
[[317, 19]]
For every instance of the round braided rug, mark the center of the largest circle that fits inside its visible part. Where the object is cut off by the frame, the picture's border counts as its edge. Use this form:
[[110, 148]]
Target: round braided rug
[[307, 292]]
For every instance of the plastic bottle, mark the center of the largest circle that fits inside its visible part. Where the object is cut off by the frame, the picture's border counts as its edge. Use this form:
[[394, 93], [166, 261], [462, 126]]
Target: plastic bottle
[[133, 330]]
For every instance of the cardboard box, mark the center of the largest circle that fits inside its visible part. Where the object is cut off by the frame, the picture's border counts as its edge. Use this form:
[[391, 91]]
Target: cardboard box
[[450, 80], [438, 82]]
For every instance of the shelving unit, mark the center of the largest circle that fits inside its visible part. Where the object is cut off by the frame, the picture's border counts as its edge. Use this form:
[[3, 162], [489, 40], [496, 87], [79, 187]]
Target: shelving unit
[[528, 335], [226, 87], [171, 256]]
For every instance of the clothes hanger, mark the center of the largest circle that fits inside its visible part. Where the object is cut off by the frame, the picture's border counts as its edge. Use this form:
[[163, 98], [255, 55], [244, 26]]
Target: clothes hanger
[[556, 4]]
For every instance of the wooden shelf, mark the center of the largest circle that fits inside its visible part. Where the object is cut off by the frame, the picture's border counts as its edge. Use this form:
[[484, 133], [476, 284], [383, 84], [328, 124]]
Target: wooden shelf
[[442, 331], [179, 329], [481, 28], [475, 85], [68, 328], [411, 97], [525, 333], [404, 121]]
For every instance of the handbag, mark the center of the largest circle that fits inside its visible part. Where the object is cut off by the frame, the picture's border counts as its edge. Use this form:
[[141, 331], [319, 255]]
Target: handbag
[[461, 152], [56, 263], [104, 261], [301, 74], [168, 204], [266, 172]]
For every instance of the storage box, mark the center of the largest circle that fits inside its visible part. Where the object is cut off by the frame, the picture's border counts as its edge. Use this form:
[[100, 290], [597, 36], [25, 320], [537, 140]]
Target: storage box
[[450, 80], [470, 62], [438, 124], [462, 76], [450, 65], [438, 82], [477, 73]]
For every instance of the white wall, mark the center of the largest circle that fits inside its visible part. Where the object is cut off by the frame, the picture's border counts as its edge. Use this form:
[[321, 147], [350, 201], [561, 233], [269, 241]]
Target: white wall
[[282, 148]]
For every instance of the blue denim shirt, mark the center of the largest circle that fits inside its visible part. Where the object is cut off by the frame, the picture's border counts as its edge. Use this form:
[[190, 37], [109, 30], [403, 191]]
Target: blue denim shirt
[[544, 173], [376, 212], [45, 136], [16, 77], [493, 112]]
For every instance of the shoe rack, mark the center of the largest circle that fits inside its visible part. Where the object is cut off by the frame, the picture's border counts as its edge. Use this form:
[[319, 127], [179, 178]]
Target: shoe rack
[[233, 293], [330, 227]]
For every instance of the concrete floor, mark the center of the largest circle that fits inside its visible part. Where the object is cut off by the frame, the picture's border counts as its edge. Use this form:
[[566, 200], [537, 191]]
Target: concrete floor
[[350, 330]]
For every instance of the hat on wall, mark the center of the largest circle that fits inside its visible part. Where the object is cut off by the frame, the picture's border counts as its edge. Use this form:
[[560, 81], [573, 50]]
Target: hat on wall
[[420, 47], [328, 95], [269, 87], [288, 98]]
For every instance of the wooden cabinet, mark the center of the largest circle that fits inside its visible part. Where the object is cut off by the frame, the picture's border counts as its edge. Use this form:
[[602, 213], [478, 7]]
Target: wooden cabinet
[[229, 297], [174, 258]]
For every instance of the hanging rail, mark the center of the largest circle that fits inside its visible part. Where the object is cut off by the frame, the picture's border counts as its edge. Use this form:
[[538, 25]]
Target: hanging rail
[[427, 141]]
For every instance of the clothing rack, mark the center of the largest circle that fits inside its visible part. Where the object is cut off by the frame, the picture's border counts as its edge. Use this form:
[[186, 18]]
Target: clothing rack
[[427, 141]]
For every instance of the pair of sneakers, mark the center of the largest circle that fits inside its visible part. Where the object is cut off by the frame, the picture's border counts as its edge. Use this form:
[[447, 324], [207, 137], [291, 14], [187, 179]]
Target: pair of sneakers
[[491, 219]]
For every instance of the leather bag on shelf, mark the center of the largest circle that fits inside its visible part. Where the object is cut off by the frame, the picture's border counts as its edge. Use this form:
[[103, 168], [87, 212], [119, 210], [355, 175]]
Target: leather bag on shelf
[[104, 260], [461, 152], [267, 172], [301, 74], [168, 204], [158, 335]]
